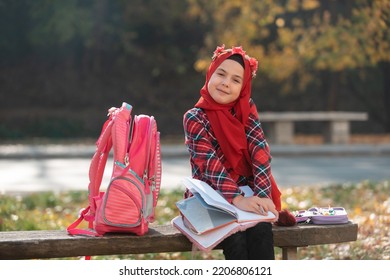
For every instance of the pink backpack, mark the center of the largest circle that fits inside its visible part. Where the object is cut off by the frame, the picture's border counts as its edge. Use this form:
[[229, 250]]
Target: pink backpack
[[129, 202]]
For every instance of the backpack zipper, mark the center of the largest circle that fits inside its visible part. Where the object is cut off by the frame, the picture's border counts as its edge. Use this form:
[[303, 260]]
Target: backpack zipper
[[129, 134], [146, 173]]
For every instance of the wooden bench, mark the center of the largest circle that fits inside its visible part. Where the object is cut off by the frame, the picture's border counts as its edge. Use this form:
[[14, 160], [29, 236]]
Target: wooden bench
[[58, 244], [337, 129]]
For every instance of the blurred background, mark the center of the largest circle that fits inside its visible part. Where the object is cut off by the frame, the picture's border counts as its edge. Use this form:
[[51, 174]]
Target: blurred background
[[64, 63]]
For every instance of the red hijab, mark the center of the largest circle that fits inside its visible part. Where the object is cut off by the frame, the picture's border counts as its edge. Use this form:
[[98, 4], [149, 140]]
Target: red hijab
[[230, 130]]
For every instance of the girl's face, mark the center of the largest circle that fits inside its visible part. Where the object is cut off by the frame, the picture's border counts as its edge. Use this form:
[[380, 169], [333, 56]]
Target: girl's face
[[226, 82]]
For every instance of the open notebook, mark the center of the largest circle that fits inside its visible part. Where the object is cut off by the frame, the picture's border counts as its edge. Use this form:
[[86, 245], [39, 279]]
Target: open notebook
[[207, 217]]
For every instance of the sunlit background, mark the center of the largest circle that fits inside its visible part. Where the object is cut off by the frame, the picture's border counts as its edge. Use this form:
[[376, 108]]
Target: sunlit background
[[64, 63]]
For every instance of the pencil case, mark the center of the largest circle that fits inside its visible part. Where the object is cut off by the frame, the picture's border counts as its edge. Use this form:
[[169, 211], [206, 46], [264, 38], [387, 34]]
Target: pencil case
[[322, 216]]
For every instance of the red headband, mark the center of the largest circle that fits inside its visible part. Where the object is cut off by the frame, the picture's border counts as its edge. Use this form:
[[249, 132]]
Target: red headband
[[253, 63]]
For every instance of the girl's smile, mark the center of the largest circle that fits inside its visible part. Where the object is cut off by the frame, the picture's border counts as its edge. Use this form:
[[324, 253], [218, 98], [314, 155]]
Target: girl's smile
[[226, 82]]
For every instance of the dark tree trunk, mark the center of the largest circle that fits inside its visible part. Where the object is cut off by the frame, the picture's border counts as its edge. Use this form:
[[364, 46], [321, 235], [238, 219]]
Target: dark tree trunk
[[386, 93], [332, 90]]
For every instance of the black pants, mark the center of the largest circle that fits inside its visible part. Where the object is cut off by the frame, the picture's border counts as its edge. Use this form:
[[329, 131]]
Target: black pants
[[256, 243]]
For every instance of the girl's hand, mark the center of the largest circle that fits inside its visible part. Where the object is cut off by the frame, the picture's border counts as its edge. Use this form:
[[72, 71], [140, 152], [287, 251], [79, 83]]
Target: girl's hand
[[258, 205]]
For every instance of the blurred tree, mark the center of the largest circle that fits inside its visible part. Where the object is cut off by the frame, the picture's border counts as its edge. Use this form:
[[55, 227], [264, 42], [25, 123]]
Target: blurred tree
[[85, 33], [85, 56], [309, 43], [63, 62], [14, 29]]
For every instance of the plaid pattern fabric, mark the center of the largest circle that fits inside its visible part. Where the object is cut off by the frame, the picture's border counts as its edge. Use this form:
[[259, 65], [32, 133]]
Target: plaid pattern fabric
[[207, 159]]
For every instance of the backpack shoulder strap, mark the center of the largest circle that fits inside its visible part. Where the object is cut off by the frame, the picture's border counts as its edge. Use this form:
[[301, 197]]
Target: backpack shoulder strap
[[98, 163], [114, 133]]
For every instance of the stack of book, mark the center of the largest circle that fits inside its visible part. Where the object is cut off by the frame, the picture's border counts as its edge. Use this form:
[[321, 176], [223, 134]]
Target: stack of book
[[207, 217]]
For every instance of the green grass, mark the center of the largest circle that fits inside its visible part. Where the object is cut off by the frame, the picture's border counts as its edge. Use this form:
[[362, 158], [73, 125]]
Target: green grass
[[367, 203]]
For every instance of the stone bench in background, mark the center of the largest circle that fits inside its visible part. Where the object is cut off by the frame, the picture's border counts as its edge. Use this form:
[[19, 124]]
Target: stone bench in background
[[336, 130]]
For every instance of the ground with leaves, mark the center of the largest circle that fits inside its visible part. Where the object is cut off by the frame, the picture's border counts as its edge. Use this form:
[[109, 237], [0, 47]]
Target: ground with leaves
[[367, 203]]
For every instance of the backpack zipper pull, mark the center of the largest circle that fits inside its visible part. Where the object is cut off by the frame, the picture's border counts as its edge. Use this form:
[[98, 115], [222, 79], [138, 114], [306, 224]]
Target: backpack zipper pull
[[146, 182]]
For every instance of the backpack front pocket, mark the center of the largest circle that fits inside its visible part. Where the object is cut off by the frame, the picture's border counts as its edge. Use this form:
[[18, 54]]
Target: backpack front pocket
[[124, 202]]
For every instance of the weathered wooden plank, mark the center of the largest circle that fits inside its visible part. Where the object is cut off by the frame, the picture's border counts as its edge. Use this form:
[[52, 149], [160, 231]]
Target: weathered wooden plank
[[305, 235], [58, 244]]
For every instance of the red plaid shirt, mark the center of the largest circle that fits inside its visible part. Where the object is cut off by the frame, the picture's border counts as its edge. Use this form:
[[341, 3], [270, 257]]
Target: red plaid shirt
[[207, 159]]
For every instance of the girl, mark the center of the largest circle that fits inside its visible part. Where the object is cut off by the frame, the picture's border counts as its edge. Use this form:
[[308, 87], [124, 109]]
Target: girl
[[227, 149]]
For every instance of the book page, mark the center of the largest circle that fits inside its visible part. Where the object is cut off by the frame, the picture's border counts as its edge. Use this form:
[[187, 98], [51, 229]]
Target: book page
[[201, 216], [214, 198], [247, 191], [244, 216], [209, 195], [205, 241]]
